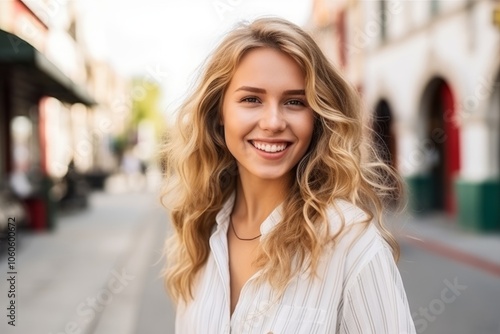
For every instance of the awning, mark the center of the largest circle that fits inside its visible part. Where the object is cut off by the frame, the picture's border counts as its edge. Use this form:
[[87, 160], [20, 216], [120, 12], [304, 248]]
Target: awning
[[17, 54]]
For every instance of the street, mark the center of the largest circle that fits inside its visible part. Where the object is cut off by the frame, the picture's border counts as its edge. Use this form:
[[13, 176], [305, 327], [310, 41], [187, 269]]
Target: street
[[448, 297], [95, 273], [98, 272]]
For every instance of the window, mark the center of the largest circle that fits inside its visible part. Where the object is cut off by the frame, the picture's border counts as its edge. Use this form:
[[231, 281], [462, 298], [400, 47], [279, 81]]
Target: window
[[383, 20], [434, 7]]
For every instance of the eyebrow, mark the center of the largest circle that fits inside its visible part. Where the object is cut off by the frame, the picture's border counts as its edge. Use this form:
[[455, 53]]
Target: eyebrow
[[263, 91]]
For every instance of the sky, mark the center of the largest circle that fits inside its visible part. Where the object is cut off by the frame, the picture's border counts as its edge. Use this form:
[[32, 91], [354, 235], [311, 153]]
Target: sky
[[168, 40]]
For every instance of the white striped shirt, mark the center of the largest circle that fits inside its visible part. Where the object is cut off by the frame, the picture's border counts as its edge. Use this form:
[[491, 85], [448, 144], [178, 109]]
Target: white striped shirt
[[359, 289]]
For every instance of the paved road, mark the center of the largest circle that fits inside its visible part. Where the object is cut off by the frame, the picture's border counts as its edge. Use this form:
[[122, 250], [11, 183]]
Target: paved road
[[93, 273], [156, 313], [449, 297]]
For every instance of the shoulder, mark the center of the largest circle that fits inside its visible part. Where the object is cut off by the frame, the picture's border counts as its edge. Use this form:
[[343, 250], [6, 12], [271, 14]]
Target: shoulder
[[342, 209], [358, 241], [346, 219]]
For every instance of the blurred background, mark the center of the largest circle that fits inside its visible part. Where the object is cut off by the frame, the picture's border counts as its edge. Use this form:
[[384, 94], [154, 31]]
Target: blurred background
[[87, 87]]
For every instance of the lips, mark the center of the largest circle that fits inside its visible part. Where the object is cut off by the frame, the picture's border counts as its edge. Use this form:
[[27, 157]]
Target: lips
[[269, 147]]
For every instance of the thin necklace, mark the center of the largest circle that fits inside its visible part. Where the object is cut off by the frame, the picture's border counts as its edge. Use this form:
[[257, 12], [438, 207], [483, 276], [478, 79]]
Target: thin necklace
[[242, 239]]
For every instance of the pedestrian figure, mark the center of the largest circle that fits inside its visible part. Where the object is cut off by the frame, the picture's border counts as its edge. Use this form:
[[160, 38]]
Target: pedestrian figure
[[275, 200]]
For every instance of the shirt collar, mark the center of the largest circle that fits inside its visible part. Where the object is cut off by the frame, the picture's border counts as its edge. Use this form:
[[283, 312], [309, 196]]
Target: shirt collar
[[272, 220], [267, 225]]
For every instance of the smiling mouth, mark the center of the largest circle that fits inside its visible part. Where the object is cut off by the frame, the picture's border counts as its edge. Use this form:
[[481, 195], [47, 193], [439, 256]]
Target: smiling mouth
[[269, 147]]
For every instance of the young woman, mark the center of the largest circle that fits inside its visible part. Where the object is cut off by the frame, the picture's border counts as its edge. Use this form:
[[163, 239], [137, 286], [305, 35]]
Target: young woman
[[276, 204]]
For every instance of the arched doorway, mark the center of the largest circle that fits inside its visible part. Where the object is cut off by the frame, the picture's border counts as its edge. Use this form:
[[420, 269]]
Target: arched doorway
[[442, 144], [384, 137]]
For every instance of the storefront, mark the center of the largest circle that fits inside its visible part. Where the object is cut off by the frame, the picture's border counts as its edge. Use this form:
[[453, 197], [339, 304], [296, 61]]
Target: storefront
[[26, 77]]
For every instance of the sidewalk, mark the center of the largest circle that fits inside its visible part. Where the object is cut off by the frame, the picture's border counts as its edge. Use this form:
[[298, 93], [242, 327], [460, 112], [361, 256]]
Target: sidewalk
[[89, 275], [442, 235]]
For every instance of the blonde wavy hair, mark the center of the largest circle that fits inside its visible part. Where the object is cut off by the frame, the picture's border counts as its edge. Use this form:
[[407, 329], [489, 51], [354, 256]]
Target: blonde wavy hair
[[201, 172]]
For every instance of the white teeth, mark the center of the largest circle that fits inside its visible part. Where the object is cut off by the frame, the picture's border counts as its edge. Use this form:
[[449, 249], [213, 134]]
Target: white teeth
[[271, 148]]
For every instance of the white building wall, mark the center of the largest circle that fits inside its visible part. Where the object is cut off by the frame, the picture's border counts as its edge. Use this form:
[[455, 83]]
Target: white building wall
[[355, 59], [327, 40], [419, 13], [447, 6], [397, 19], [458, 45]]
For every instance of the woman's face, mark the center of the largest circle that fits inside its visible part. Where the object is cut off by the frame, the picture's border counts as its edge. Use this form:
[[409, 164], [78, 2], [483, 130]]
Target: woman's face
[[268, 123]]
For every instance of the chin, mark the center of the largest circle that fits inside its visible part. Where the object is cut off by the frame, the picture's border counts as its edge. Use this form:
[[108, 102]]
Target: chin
[[270, 176]]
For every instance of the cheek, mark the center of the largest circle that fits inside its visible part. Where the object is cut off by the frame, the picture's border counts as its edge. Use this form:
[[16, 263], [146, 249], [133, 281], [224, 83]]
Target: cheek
[[238, 122], [234, 131], [305, 127], [232, 126]]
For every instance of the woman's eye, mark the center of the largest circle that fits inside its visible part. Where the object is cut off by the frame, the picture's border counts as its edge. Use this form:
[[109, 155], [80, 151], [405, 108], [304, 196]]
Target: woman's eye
[[250, 99], [296, 102]]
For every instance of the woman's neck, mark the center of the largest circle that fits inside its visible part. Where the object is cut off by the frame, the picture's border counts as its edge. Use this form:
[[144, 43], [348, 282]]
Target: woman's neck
[[256, 199]]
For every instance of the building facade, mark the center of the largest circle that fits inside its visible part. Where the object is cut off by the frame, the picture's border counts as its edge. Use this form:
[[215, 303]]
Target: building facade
[[59, 106], [430, 79]]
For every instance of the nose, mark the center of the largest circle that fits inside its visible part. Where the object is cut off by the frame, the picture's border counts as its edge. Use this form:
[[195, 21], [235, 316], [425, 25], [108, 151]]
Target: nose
[[272, 119]]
